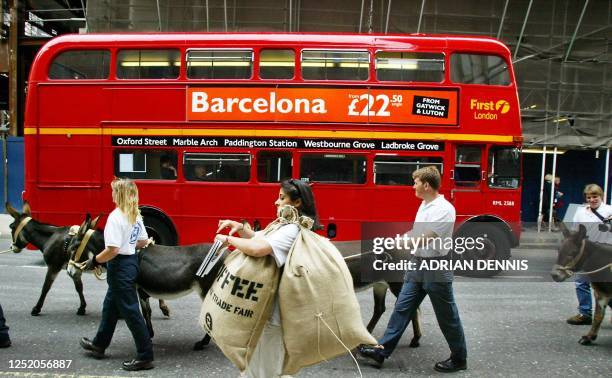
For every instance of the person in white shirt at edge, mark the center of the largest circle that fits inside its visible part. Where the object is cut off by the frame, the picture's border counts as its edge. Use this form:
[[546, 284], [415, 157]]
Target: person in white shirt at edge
[[123, 234], [434, 220], [268, 357], [586, 216]]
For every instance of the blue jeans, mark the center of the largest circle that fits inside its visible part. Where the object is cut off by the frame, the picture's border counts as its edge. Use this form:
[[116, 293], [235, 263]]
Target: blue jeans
[[583, 292], [122, 299], [4, 335], [416, 286]]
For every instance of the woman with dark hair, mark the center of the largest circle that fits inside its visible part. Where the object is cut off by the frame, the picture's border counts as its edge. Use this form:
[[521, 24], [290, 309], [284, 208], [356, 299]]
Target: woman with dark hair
[[267, 359]]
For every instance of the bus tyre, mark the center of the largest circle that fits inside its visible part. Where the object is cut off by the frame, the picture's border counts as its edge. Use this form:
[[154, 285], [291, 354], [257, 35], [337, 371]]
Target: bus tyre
[[159, 231], [494, 245]]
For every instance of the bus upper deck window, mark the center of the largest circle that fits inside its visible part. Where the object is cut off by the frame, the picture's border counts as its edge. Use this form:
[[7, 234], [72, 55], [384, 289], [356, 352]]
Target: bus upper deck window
[[80, 64], [409, 66], [335, 65], [479, 69], [148, 64], [277, 64], [219, 64]]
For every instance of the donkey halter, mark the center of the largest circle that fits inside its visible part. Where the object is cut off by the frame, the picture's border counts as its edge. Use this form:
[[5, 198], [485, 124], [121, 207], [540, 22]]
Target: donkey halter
[[77, 256], [569, 268], [20, 227]]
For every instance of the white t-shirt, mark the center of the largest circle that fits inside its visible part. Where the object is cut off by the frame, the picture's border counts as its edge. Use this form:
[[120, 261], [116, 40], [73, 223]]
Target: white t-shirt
[[437, 216], [281, 241], [118, 232], [585, 216]]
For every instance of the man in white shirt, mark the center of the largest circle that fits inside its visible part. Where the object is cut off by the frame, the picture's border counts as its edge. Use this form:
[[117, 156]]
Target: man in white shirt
[[593, 216], [434, 220]]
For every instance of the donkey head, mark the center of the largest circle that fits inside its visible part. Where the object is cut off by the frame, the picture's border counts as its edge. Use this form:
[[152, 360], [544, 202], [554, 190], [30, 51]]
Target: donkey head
[[569, 251], [75, 244], [19, 231]]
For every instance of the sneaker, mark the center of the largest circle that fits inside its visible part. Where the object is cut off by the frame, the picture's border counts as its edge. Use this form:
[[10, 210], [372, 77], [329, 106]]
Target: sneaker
[[580, 320], [5, 343]]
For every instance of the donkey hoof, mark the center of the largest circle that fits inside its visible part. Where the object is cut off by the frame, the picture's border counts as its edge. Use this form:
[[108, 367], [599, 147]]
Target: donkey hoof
[[165, 311], [585, 340], [81, 311], [414, 343], [35, 311], [200, 345]]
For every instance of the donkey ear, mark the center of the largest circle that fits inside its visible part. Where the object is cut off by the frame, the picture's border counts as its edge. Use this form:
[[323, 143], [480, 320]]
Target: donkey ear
[[85, 225], [564, 230], [26, 209], [581, 232], [94, 222], [11, 210]]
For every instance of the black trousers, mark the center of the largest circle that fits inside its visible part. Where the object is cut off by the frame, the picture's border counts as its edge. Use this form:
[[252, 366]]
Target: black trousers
[[4, 335], [122, 300]]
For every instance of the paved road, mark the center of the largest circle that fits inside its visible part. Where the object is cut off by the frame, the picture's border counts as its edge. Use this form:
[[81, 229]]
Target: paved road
[[514, 327]]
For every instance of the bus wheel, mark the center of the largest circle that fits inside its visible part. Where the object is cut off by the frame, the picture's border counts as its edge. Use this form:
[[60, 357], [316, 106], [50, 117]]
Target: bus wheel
[[490, 245], [159, 231]]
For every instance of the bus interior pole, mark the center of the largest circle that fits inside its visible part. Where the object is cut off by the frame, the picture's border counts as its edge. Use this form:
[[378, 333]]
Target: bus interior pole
[[540, 215], [607, 176], [552, 190]]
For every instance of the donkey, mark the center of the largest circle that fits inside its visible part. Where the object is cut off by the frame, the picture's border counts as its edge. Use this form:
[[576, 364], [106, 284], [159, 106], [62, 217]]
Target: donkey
[[577, 255], [177, 267], [166, 272], [52, 241], [379, 286]]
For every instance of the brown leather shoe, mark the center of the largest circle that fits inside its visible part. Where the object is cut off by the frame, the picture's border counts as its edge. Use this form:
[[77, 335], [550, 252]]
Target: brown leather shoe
[[580, 320], [135, 365]]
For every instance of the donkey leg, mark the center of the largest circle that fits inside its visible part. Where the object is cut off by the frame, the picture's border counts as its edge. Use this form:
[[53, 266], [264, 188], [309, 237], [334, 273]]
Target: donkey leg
[[145, 307], [416, 329], [379, 290], [202, 343], [78, 285], [600, 311], [164, 308], [49, 278]]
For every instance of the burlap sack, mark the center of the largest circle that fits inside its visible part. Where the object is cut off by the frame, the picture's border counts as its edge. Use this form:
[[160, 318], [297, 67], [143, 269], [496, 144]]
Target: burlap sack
[[240, 302], [317, 300]]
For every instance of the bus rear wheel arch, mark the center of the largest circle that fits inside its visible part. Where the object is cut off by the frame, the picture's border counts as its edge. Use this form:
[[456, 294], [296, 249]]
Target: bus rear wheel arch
[[492, 243], [159, 226]]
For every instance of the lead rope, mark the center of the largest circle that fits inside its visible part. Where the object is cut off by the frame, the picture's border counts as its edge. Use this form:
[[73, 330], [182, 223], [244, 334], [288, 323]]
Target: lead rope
[[320, 316]]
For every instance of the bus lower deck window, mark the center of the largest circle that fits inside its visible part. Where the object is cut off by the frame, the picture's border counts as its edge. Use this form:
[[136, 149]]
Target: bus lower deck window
[[145, 164], [217, 167], [273, 166], [333, 168], [397, 170]]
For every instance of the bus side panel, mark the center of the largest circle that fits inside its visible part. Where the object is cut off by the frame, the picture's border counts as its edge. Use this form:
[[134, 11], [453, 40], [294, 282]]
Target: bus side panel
[[148, 104], [77, 105]]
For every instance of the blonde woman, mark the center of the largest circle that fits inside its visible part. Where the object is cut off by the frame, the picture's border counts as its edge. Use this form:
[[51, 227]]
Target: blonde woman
[[124, 232]]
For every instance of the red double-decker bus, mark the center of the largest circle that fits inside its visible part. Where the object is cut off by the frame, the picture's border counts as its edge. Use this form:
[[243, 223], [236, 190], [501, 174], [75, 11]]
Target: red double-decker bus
[[208, 124]]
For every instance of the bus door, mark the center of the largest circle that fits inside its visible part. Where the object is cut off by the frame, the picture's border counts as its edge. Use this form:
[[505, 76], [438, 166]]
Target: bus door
[[503, 181], [468, 179]]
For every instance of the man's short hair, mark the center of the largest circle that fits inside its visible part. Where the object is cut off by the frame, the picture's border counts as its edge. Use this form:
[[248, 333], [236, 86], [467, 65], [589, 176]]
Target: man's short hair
[[593, 189], [430, 175]]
